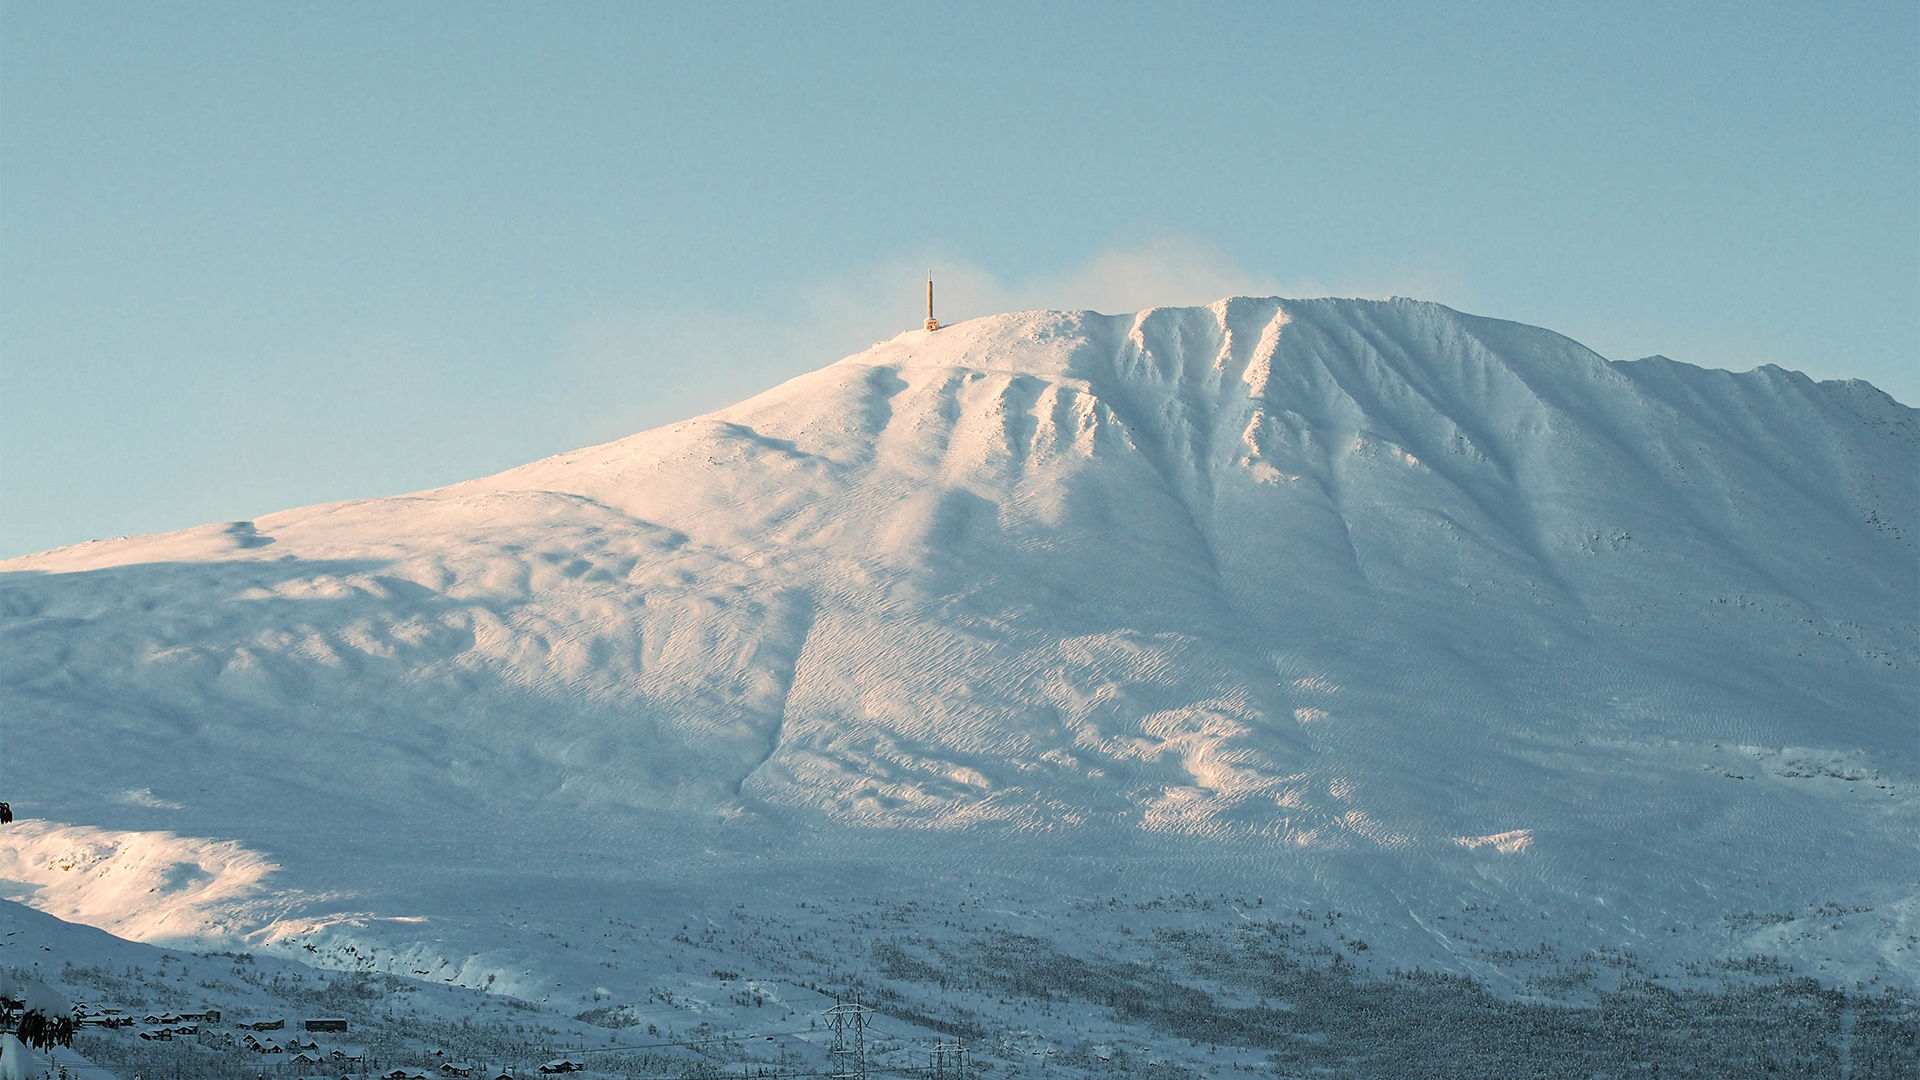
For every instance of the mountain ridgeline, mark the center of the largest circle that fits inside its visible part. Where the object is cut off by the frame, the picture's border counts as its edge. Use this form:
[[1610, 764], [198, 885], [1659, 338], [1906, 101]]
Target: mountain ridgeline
[[1303, 589]]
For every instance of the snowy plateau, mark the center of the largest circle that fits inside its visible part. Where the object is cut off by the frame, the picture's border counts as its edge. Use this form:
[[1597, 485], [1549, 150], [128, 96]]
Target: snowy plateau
[[1273, 688]]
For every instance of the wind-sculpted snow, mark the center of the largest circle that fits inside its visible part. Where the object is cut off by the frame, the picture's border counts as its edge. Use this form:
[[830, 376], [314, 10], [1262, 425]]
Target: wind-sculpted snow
[[1372, 601]]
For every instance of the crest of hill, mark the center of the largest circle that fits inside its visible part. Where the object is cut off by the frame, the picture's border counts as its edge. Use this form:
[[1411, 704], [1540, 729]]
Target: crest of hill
[[1251, 582], [1188, 385]]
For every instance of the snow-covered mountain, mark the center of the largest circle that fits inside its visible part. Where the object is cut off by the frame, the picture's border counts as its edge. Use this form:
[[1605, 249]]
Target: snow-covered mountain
[[1374, 605]]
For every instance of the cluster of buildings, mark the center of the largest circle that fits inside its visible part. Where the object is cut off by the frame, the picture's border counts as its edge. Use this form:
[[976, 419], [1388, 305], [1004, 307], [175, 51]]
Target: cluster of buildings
[[181, 1023], [446, 1070], [303, 1052], [165, 1027], [322, 1023], [108, 1017]]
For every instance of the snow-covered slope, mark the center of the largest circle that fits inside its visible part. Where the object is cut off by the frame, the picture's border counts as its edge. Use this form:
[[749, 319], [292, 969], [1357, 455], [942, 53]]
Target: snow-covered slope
[[1370, 603]]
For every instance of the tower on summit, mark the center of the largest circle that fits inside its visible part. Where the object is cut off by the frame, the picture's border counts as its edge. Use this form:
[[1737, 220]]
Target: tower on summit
[[932, 323]]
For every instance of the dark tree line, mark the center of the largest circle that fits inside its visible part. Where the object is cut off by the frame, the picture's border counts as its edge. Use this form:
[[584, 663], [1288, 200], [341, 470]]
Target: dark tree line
[[36, 1027]]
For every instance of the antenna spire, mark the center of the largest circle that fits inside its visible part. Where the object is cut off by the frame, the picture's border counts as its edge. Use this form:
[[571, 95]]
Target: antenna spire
[[932, 323]]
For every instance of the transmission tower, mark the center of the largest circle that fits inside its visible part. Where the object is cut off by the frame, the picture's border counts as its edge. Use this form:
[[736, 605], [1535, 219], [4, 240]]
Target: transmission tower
[[948, 1061], [848, 1021]]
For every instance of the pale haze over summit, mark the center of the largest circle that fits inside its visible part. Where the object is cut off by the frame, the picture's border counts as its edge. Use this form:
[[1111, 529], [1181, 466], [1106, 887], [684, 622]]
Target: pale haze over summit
[[259, 257]]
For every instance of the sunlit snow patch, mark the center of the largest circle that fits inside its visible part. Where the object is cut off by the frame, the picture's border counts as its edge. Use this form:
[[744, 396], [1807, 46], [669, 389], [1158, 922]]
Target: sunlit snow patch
[[145, 886], [1511, 842]]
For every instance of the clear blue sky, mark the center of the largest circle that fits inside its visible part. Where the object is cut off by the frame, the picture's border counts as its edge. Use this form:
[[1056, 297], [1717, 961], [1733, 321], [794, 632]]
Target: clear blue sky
[[254, 256]]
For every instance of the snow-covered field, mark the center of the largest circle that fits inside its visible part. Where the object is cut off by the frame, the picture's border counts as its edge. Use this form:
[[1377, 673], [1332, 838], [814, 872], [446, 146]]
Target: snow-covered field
[[1540, 669]]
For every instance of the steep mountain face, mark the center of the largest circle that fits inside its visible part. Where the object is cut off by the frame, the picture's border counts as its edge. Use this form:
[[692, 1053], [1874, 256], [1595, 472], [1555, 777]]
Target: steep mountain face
[[1315, 590]]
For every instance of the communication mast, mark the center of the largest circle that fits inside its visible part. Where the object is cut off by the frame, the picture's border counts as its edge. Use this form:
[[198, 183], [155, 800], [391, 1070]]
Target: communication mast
[[932, 323]]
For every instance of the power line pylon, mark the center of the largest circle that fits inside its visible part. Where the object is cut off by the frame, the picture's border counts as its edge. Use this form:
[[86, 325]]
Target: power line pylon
[[948, 1061], [849, 1023]]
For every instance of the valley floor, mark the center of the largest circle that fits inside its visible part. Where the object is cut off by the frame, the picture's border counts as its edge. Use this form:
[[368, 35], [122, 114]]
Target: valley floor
[[1172, 985]]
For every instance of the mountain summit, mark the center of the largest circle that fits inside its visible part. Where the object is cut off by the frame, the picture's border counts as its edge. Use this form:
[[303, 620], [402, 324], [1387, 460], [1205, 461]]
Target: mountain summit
[[1374, 600]]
